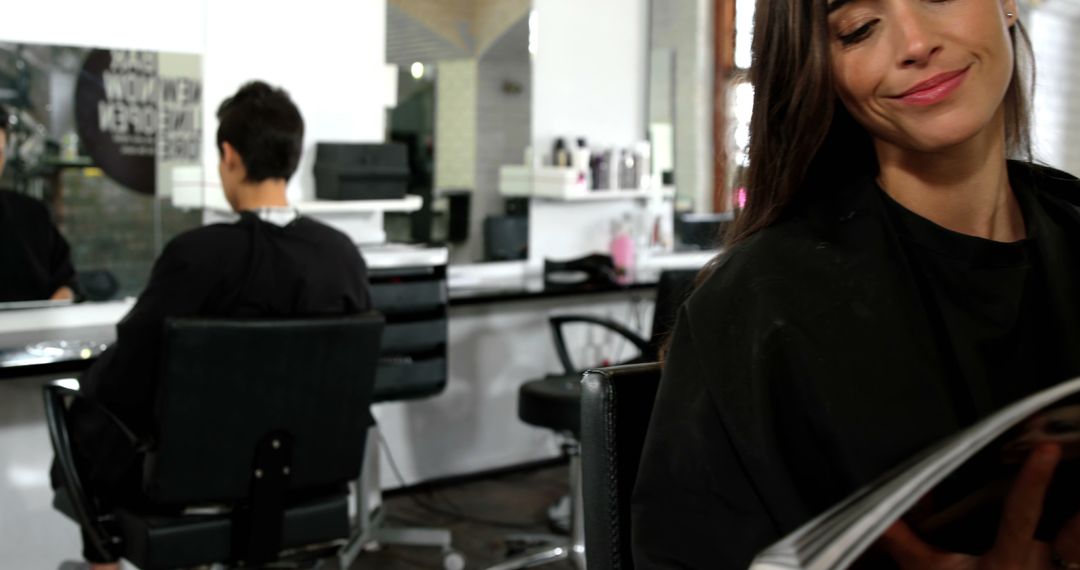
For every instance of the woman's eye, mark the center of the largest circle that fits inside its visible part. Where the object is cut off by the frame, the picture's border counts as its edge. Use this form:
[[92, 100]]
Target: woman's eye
[[858, 35]]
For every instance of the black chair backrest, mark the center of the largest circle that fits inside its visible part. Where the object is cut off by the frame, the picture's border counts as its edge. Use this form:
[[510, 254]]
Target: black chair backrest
[[226, 385], [616, 404], [674, 286]]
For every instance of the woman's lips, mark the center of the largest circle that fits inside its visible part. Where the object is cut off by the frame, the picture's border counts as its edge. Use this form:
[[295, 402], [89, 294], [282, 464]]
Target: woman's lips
[[935, 89]]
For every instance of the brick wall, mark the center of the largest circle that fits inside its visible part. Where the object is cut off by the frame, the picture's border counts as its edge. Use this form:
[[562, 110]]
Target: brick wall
[[455, 124], [110, 227]]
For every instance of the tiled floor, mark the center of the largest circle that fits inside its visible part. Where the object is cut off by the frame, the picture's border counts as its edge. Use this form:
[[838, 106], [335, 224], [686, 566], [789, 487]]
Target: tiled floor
[[479, 514]]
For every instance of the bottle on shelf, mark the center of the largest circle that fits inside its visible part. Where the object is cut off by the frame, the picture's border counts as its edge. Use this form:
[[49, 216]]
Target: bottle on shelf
[[622, 250], [560, 155], [628, 171], [581, 161], [600, 170]]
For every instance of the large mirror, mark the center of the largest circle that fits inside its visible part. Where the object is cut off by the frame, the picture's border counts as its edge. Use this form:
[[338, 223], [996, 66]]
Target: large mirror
[[97, 138], [463, 110], [680, 110], [682, 97], [699, 110]]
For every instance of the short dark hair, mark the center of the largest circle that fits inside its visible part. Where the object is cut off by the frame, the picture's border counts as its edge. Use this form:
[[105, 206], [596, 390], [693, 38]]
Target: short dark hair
[[4, 118], [265, 127]]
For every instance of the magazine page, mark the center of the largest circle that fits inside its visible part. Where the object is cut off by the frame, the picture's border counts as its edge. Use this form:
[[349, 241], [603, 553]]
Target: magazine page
[[1015, 504], [1004, 493]]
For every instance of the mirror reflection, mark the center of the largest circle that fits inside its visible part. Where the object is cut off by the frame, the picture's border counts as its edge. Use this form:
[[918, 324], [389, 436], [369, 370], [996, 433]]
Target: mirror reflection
[[462, 110], [72, 231]]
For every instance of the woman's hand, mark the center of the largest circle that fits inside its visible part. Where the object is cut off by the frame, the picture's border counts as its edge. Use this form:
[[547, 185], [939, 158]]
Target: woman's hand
[[1015, 547], [1067, 544]]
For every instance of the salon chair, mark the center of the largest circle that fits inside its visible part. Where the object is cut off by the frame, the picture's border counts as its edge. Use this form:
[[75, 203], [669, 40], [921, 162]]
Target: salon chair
[[412, 365], [616, 405], [554, 402], [260, 426]]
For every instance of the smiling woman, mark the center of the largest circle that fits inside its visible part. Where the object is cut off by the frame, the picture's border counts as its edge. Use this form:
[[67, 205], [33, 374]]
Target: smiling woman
[[893, 277]]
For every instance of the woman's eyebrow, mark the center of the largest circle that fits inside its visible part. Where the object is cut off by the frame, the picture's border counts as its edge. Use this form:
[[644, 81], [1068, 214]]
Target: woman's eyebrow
[[835, 5]]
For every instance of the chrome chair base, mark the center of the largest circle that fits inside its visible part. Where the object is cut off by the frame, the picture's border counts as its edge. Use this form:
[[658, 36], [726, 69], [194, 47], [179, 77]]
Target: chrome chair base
[[370, 532], [557, 548]]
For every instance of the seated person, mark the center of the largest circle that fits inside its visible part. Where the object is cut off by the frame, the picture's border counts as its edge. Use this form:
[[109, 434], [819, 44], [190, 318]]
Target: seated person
[[35, 260], [893, 279], [272, 262]]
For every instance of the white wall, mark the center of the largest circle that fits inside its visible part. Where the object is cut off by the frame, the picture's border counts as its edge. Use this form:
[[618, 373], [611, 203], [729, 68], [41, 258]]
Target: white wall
[[589, 72], [330, 56], [132, 24], [589, 79], [1055, 34]]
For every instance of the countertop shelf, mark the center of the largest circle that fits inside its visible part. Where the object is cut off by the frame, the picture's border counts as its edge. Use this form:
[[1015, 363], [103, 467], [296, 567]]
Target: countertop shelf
[[410, 203], [601, 195]]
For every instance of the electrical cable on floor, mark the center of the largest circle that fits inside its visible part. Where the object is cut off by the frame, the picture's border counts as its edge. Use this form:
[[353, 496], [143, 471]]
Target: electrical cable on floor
[[454, 511], [634, 320]]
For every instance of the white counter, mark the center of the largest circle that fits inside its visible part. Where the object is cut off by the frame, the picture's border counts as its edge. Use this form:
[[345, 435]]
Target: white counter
[[84, 322]]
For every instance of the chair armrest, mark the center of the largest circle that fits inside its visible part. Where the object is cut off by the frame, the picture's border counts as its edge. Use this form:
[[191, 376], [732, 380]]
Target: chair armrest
[[139, 444], [85, 511], [557, 323]]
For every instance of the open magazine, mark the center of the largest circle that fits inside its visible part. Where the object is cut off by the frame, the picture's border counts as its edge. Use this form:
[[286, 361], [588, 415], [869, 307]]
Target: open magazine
[[952, 496]]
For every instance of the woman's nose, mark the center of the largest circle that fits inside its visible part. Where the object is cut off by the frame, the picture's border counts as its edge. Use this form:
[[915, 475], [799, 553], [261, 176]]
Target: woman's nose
[[915, 37]]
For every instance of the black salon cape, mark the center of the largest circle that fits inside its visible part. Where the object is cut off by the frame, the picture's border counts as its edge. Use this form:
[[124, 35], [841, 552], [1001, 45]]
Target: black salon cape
[[250, 268], [35, 259], [804, 368]]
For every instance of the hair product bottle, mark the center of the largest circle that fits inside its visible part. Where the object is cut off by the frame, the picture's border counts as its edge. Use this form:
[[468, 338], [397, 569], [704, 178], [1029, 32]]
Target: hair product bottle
[[560, 155], [622, 250]]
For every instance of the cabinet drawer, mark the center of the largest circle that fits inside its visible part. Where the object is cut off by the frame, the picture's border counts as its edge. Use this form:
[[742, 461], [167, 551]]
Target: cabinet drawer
[[408, 297], [403, 379], [410, 337]]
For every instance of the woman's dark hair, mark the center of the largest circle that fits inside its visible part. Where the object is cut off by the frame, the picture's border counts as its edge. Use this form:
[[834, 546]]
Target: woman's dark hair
[[4, 118], [265, 127], [802, 139]]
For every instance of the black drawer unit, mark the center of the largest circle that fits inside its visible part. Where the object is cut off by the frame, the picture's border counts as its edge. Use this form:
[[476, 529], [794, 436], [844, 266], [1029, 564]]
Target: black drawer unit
[[406, 297], [413, 301], [405, 378], [414, 337]]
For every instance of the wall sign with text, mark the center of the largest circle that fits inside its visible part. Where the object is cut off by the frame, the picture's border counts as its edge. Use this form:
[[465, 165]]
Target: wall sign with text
[[139, 115]]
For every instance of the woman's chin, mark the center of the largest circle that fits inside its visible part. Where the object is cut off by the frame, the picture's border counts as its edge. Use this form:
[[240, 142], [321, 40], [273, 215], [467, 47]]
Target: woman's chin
[[946, 132], [939, 139]]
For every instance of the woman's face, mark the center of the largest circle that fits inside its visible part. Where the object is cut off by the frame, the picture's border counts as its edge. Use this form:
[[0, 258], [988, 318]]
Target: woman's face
[[922, 75]]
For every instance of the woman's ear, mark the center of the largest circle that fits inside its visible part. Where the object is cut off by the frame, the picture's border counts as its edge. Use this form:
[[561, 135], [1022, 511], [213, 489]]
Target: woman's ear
[[1012, 12]]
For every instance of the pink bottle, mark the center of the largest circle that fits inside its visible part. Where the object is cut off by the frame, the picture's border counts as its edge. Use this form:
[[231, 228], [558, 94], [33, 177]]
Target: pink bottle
[[622, 253]]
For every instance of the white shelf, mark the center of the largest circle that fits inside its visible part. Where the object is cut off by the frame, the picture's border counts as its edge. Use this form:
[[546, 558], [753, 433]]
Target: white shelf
[[602, 195], [564, 185], [410, 203], [387, 255]]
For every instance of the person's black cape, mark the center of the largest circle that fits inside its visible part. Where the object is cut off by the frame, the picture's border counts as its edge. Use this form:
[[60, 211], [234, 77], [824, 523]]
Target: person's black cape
[[247, 269], [35, 259], [803, 368]]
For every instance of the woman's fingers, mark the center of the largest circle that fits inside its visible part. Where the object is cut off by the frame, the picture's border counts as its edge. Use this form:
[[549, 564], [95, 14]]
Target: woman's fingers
[[1067, 542], [905, 547], [1023, 506]]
